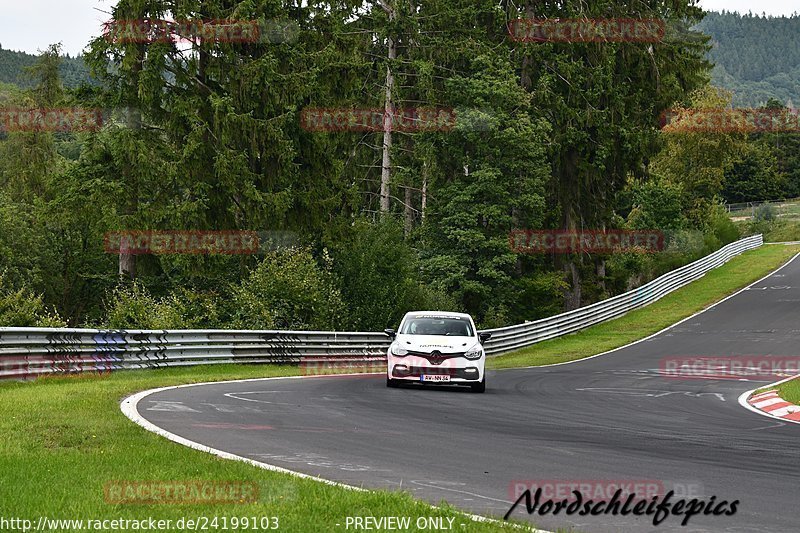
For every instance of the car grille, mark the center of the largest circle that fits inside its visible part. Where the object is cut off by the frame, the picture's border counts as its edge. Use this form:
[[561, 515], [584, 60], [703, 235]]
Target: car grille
[[436, 357]]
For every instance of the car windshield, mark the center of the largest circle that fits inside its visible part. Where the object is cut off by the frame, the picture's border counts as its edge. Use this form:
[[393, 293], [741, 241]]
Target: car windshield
[[428, 325]]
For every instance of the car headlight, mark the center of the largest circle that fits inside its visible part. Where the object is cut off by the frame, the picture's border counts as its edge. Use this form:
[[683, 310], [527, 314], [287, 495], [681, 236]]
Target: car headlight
[[474, 353], [398, 351]]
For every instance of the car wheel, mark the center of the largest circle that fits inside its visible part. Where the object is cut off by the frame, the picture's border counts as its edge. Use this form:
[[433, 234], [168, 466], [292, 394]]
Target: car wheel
[[391, 383], [479, 387]]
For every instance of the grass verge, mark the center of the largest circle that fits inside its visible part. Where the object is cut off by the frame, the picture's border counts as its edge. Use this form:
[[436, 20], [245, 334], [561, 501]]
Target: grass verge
[[63, 439], [790, 391], [715, 285]]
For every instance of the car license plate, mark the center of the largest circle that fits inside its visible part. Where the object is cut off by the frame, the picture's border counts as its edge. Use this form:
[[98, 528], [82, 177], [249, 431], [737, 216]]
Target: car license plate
[[434, 378]]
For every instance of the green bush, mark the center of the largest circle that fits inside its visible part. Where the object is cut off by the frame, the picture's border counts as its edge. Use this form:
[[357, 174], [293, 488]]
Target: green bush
[[537, 295], [764, 212], [21, 308], [23, 251], [287, 290], [656, 205], [378, 274], [496, 316], [722, 227], [689, 243], [429, 298], [196, 309], [131, 306], [628, 269]]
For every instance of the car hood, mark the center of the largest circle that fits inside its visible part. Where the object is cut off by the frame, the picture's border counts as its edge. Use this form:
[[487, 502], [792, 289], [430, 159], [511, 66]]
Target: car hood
[[442, 343]]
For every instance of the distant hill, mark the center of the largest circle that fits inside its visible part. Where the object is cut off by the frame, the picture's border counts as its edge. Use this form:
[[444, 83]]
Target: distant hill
[[74, 71], [756, 57]]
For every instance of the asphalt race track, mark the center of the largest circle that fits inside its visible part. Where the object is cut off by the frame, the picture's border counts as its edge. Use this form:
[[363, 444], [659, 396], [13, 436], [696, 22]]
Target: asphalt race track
[[614, 417]]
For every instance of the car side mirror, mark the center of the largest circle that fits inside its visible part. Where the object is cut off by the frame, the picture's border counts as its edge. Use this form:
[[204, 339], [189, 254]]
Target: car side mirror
[[391, 333], [484, 337]]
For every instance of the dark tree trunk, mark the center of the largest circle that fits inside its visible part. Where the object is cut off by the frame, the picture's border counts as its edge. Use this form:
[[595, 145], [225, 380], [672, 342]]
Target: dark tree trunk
[[424, 203], [408, 211], [568, 186], [388, 120], [572, 295], [133, 121], [601, 274]]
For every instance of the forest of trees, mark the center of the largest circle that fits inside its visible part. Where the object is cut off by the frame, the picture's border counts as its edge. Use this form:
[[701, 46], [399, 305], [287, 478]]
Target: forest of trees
[[205, 135], [756, 57], [73, 70]]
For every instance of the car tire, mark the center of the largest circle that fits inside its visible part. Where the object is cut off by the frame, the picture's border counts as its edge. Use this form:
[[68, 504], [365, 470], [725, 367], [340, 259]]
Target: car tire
[[479, 387], [392, 383]]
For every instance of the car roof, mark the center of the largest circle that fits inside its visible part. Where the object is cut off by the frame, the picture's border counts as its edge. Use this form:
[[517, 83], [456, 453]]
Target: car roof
[[438, 313]]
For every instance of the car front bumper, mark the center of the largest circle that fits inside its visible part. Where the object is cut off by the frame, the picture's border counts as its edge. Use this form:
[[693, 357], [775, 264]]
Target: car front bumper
[[459, 369]]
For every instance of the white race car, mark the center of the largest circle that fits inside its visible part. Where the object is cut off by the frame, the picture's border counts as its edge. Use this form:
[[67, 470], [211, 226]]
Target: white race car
[[439, 348]]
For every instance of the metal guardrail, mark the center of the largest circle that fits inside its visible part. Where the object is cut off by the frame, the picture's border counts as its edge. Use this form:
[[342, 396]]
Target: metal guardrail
[[31, 352], [514, 337]]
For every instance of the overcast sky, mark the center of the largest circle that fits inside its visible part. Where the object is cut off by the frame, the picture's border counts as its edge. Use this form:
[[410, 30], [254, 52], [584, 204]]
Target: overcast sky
[[30, 25]]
